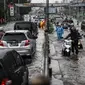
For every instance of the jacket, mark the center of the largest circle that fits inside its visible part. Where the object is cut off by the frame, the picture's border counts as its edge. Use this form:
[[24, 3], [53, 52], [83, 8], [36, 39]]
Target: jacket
[[74, 35], [60, 30]]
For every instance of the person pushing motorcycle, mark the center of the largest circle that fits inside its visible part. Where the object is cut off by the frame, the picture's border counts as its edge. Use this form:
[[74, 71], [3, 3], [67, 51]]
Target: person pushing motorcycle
[[74, 37]]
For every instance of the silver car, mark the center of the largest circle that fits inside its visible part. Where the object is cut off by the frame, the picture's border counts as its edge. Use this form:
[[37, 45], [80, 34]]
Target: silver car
[[20, 40]]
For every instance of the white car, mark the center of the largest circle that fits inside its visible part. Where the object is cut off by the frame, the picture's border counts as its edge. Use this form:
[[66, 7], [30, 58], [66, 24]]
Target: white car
[[20, 40]]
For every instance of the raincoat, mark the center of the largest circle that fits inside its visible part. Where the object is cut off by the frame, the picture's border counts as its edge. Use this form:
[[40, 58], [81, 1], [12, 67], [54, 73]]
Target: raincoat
[[60, 32], [42, 24]]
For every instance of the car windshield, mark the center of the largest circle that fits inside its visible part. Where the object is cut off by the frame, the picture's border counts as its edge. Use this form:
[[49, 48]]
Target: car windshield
[[14, 36], [83, 22]]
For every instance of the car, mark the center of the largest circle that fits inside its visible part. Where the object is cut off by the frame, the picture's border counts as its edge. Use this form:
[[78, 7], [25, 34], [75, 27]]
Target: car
[[13, 71], [20, 40], [83, 25], [57, 18], [26, 25]]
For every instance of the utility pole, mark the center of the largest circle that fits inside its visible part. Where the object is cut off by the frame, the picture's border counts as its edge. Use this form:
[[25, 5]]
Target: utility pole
[[69, 10], [5, 10], [18, 1], [47, 14]]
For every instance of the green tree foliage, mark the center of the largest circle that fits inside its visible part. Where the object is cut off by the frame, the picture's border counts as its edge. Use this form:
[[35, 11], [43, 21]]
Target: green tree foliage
[[1, 12], [51, 28]]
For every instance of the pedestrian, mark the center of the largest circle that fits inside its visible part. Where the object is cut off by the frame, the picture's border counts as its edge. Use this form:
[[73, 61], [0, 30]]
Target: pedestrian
[[77, 22], [57, 24], [41, 24], [40, 80], [74, 37], [44, 24], [60, 31]]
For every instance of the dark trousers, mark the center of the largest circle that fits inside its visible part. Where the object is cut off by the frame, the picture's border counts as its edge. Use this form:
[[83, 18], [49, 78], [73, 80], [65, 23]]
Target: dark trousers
[[75, 46]]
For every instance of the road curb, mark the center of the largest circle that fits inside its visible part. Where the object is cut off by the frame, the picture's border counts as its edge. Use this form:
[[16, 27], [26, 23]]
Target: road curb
[[55, 67]]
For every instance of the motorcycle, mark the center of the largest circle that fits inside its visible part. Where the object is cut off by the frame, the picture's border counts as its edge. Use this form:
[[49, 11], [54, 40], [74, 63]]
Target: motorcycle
[[66, 48]]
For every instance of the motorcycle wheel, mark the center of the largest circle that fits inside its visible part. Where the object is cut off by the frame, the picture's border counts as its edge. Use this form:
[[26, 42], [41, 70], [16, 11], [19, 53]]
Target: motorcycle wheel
[[81, 46], [67, 53], [63, 53]]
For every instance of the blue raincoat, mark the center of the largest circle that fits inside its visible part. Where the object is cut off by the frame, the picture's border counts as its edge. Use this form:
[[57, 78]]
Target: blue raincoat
[[60, 32]]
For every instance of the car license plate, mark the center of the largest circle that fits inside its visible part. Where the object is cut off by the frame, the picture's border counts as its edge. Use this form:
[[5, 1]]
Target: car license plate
[[14, 44]]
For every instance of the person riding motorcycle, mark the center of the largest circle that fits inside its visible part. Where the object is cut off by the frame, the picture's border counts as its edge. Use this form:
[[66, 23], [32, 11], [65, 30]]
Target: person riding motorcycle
[[74, 37]]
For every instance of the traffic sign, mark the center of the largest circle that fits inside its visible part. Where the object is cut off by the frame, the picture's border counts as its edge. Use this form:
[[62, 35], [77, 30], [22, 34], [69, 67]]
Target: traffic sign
[[12, 11]]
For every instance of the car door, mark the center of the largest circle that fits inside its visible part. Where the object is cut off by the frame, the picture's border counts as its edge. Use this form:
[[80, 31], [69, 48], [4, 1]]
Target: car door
[[10, 66], [21, 71]]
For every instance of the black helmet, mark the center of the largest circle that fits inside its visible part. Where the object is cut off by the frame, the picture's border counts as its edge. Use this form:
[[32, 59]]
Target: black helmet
[[73, 29]]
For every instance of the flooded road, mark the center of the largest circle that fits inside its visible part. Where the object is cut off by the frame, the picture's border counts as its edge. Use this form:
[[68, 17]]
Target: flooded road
[[67, 69], [37, 66]]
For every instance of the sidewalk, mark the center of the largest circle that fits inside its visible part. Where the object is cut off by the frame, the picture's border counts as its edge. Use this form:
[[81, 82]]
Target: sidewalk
[[55, 56], [66, 71]]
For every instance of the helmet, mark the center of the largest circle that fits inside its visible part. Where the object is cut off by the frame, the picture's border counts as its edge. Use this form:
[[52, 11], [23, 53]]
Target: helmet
[[72, 29]]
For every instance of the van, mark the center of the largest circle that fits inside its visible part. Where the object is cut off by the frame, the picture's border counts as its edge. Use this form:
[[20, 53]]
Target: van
[[26, 25]]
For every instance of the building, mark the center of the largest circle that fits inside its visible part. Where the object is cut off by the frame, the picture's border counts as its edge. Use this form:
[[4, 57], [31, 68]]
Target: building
[[16, 1], [77, 1], [78, 10], [4, 9], [66, 1]]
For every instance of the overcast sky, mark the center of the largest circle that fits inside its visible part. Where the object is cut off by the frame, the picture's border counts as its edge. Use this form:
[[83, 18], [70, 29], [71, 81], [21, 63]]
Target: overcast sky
[[39, 1]]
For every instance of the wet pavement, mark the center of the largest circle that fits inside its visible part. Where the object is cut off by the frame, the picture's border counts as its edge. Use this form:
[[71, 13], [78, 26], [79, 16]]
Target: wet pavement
[[36, 67], [66, 70]]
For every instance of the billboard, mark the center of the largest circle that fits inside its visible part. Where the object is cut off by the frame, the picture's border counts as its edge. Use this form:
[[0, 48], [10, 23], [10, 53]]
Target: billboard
[[52, 10]]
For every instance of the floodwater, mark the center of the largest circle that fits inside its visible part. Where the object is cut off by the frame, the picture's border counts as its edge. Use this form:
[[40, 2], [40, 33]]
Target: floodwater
[[67, 69]]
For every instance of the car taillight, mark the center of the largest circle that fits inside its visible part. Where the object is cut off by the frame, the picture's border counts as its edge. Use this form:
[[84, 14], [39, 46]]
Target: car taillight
[[1, 43], [27, 42], [6, 81]]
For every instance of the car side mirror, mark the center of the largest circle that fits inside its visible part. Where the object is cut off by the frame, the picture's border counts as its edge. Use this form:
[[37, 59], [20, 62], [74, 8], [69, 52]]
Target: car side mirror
[[34, 37]]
